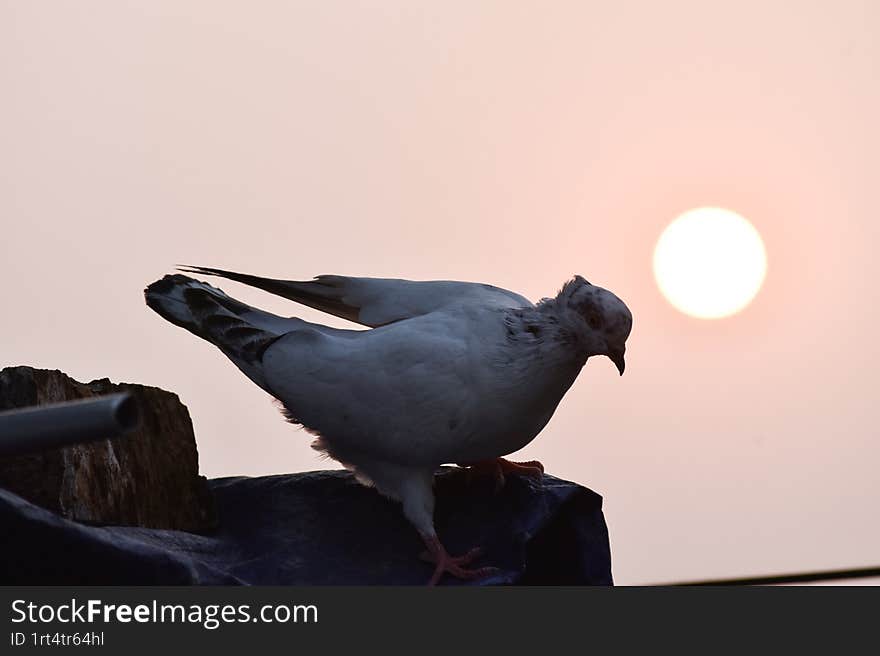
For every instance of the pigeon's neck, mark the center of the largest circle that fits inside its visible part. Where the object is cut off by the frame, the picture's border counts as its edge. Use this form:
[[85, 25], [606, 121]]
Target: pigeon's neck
[[550, 333]]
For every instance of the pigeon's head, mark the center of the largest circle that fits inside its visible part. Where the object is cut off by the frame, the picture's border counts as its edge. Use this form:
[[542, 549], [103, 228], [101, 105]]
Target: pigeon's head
[[607, 321]]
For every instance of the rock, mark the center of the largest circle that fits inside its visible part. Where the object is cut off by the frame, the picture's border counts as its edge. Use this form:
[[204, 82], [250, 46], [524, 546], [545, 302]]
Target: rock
[[148, 478], [323, 528]]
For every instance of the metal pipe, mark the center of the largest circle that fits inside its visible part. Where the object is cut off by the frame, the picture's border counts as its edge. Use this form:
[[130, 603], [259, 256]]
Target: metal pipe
[[38, 428]]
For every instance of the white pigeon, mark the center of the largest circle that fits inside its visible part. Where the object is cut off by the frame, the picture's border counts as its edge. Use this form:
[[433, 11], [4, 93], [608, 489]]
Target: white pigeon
[[449, 372]]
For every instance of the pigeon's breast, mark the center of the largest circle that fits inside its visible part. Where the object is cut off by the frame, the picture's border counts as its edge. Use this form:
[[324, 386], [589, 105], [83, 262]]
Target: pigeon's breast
[[508, 408], [504, 428]]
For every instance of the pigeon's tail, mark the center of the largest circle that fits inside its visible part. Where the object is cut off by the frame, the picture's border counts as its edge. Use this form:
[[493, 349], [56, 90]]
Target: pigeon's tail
[[242, 332]]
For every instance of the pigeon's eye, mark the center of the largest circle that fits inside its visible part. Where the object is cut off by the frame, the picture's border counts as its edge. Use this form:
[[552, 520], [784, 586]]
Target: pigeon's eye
[[594, 319]]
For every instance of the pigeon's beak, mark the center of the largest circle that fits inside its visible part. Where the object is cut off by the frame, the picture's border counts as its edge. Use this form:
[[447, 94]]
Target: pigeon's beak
[[616, 356]]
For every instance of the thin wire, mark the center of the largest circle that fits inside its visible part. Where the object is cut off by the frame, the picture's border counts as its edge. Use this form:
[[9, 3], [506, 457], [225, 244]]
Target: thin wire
[[805, 577]]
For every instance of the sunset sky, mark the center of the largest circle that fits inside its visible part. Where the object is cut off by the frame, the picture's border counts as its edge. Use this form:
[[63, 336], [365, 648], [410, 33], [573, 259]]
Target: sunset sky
[[514, 143]]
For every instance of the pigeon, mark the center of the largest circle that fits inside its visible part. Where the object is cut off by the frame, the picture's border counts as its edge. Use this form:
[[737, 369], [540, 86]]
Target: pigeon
[[446, 372]]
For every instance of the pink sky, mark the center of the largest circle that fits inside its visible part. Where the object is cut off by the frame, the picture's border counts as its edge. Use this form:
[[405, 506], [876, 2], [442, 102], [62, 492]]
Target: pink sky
[[510, 143]]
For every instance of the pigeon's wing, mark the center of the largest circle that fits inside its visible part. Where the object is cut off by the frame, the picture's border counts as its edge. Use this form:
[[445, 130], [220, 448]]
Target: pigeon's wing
[[397, 394], [376, 301]]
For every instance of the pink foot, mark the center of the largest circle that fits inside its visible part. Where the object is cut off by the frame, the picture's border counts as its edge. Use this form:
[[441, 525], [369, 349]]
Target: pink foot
[[454, 565], [498, 467]]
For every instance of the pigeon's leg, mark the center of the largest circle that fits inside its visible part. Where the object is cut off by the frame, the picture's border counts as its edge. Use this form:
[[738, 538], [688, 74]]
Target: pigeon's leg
[[499, 467], [415, 489], [454, 565]]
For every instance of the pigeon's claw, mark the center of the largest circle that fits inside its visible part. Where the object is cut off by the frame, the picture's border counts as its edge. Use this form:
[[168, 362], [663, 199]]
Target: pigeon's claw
[[499, 468], [454, 565]]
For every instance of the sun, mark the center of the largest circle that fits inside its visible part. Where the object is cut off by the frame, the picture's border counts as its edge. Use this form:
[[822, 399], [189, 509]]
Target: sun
[[710, 263]]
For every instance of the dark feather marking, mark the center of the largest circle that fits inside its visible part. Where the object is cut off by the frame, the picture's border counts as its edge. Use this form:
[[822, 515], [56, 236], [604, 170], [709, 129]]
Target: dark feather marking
[[220, 325], [221, 322], [243, 332], [199, 300]]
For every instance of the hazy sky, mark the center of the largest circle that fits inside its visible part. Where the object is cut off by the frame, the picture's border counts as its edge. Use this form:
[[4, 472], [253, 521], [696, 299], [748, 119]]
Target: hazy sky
[[515, 143]]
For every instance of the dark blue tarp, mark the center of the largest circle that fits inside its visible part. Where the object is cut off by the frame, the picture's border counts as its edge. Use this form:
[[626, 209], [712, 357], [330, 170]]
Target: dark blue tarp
[[321, 528]]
